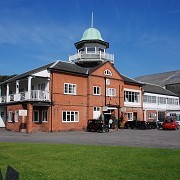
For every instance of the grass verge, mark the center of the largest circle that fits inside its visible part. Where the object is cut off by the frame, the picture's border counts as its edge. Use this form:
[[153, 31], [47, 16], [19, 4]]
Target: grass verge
[[54, 161]]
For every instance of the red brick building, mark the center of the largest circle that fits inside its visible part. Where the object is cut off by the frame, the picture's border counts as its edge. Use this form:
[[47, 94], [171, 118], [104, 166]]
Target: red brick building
[[63, 96]]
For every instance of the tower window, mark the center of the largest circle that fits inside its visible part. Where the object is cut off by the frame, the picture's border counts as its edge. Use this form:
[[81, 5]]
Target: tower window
[[101, 50], [90, 49], [81, 50]]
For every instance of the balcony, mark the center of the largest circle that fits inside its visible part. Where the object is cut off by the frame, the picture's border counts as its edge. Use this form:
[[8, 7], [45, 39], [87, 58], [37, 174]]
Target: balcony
[[91, 57], [33, 95]]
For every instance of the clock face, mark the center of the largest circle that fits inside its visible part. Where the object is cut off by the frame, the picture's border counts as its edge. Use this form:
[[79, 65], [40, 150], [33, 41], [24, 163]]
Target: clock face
[[107, 82]]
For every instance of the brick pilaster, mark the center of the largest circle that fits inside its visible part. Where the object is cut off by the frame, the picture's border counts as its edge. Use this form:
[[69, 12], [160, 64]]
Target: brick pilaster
[[29, 118]]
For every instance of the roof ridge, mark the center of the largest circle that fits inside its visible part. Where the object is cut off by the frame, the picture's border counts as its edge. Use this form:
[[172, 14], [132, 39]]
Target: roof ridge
[[158, 73]]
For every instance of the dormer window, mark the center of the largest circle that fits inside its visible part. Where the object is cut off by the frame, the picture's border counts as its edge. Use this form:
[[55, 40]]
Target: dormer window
[[107, 72]]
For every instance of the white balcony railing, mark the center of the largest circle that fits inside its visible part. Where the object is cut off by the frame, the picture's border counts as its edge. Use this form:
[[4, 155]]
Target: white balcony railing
[[92, 56], [33, 95]]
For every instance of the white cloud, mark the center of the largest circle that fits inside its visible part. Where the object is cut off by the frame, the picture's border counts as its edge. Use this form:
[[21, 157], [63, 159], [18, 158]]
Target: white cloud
[[19, 33]]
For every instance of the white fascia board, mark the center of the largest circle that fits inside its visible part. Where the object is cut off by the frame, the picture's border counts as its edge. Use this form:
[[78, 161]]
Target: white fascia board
[[132, 90], [132, 104], [44, 73]]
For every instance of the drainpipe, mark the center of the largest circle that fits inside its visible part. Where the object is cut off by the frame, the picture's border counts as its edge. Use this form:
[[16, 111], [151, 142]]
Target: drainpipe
[[105, 90], [119, 106], [51, 101]]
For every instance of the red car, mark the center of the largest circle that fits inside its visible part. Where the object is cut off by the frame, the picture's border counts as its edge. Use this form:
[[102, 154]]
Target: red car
[[170, 124]]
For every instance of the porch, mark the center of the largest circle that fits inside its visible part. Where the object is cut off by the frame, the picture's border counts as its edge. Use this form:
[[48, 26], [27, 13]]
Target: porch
[[31, 88], [32, 95]]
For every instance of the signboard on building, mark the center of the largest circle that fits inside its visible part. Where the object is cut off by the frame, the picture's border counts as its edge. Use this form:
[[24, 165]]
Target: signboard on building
[[23, 112], [105, 108]]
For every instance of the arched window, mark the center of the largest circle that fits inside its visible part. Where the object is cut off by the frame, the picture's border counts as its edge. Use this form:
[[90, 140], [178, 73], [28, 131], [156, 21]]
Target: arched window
[[107, 72]]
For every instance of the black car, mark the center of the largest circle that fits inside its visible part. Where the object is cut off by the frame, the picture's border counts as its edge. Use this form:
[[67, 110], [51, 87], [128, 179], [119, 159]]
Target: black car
[[135, 124], [159, 123], [97, 126]]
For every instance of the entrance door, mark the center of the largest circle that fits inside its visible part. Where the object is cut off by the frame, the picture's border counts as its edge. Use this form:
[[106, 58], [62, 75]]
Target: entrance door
[[96, 112], [2, 118], [134, 115], [161, 115]]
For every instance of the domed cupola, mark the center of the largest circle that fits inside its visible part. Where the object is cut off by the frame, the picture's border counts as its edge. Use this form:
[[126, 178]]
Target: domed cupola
[[91, 34], [91, 49]]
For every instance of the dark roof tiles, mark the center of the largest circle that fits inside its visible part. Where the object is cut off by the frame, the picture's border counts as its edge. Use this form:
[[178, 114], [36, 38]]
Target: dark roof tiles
[[151, 88]]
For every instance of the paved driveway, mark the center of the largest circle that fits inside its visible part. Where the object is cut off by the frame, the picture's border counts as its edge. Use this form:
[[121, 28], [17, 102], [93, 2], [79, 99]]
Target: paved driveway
[[137, 138]]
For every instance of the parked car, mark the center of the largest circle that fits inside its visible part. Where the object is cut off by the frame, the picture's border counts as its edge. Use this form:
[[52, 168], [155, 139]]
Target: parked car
[[135, 124], [151, 125], [159, 123], [97, 126], [170, 124]]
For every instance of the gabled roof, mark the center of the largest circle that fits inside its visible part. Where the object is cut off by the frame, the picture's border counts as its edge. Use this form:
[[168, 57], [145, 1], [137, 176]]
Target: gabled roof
[[156, 89], [162, 79], [91, 70], [28, 73], [68, 68]]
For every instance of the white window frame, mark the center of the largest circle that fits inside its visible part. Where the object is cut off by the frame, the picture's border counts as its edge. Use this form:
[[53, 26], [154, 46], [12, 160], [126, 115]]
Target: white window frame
[[16, 116], [42, 86], [10, 116], [35, 111], [70, 116], [102, 50], [97, 108], [149, 99], [111, 92], [107, 72], [96, 90], [90, 52], [44, 116], [151, 115], [172, 101], [131, 96], [162, 100], [131, 118], [71, 88]]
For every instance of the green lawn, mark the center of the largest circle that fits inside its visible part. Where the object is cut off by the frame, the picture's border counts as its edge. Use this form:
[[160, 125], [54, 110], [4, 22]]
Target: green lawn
[[53, 161]]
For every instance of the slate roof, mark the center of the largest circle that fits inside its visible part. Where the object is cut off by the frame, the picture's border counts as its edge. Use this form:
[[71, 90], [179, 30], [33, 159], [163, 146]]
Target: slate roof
[[162, 79], [28, 73], [68, 68], [130, 81], [151, 88]]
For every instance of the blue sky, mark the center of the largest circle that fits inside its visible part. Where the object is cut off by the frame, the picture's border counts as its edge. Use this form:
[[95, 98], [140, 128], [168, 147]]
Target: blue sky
[[144, 35]]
